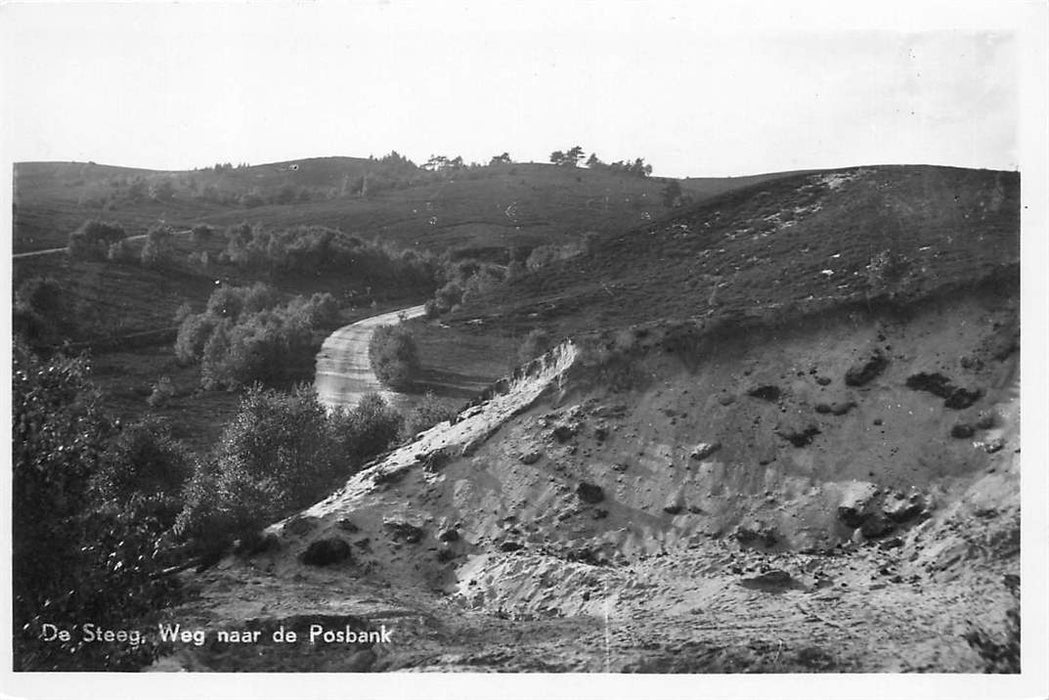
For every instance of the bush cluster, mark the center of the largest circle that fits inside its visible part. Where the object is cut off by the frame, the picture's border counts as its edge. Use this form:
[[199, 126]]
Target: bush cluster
[[426, 414], [159, 249], [101, 512], [91, 503], [394, 357], [317, 248], [279, 454], [93, 239], [465, 281], [43, 311], [245, 335]]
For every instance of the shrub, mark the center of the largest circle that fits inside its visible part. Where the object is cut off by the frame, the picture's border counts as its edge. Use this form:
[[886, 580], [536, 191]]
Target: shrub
[[321, 310], [393, 356], [231, 302], [42, 310], [426, 414], [144, 459], [161, 190], [213, 371], [488, 278], [93, 239], [309, 249], [184, 311], [245, 335], [45, 295], [193, 335], [448, 297], [366, 430], [163, 391], [545, 255], [277, 455], [201, 235], [159, 248], [120, 252], [78, 553]]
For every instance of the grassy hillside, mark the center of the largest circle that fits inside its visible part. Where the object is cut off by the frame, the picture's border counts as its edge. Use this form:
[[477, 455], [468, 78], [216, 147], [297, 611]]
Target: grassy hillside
[[501, 205], [485, 212], [790, 246]]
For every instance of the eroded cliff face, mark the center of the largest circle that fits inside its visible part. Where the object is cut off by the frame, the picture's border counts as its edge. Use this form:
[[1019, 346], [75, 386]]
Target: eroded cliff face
[[846, 484]]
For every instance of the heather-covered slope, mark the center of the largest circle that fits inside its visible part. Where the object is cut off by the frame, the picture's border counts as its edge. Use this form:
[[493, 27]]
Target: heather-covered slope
[[792, 246]]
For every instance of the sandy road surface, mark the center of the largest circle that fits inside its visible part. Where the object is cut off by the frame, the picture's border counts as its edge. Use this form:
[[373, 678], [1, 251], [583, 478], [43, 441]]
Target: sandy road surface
[[344, 374]]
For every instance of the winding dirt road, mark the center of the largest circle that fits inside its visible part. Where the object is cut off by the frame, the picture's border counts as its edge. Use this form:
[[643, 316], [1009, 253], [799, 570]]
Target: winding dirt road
[[344, 373]]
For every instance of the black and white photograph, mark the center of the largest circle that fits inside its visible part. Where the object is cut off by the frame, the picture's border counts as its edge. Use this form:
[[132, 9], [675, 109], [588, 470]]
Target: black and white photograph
[[525, 349]]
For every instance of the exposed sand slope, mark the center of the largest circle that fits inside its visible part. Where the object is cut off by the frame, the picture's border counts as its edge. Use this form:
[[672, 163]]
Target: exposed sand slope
[[873, 547]]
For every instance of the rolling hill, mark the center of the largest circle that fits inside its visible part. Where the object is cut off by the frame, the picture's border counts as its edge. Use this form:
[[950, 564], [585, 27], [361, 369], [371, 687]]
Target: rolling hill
[[789, 247], [522, 204]]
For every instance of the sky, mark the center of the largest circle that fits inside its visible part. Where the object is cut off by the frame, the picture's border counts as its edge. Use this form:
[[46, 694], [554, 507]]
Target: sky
[[695, 89]]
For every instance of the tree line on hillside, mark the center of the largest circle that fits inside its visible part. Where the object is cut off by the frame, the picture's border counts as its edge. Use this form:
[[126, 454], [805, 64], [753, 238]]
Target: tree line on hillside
[[258, 249], [571, 157], [227, 185], [463, 281]]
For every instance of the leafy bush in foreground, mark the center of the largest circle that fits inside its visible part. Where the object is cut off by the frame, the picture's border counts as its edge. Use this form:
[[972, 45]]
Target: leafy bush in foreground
[[84, 546], [366, 430], [279, 454], [270, 458], [426, 414]]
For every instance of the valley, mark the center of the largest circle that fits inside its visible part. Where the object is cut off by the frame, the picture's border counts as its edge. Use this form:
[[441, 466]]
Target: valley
[[771, 429]]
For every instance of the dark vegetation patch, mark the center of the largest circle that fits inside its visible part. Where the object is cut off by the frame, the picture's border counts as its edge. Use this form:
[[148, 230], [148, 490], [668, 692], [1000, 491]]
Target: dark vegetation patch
[[866, 369], [798, 436], [932, 382], [281, 452], [246, 334], [394, 357], [767, 392], [954, 397], [401, 531], [837, 408], [91, 505], [425, 414], [325, 552], [590, 493]]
